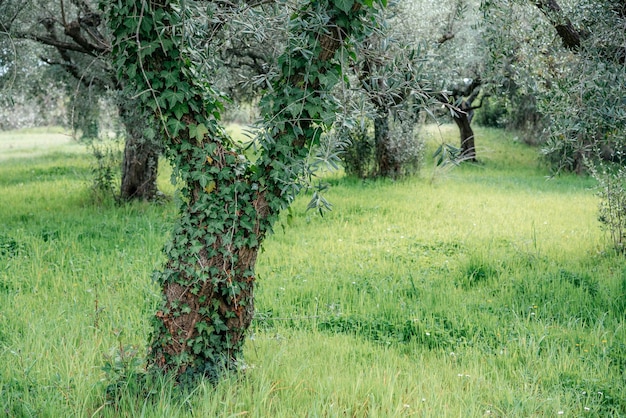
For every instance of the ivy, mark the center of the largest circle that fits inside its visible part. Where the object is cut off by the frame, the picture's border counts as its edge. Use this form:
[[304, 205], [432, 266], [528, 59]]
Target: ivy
[[228, 204]]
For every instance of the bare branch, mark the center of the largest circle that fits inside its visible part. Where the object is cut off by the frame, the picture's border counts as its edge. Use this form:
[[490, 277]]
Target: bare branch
[[50, 41], [63, 13], [73, 30]]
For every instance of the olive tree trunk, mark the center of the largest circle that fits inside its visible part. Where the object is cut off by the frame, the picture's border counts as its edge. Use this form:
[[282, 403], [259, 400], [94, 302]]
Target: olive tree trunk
[[141, 154], [139, 170], [384, 158], [463, 120]]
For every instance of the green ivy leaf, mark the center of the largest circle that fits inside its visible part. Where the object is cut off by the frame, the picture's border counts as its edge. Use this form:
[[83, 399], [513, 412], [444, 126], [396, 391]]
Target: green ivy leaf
[[180, 109], [174, 126], [201, 131], [344, 5], [173, 97]]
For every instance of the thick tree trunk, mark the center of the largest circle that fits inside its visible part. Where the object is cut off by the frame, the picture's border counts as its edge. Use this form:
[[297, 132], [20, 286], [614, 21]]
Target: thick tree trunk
[[209, 298], [227, 204], [141, 155], [139, 170]]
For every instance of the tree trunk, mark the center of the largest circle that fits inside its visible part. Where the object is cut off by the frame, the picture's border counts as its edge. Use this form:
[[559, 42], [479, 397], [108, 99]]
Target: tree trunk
[[208, 282], [141, 156], [463, 119], [381, 141], [228, 205], [139, 170]]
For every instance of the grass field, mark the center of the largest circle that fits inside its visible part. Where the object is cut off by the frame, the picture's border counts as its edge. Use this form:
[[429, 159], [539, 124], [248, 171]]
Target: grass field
[[484, 290]]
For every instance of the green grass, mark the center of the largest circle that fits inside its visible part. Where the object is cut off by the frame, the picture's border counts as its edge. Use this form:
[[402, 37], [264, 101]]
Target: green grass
[[483, 290]]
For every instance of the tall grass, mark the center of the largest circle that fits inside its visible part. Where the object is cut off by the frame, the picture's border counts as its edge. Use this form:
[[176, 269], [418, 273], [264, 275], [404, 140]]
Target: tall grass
[[482, 290]]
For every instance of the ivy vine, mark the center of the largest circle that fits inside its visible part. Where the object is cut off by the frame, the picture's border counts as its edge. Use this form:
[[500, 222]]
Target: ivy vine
[[228, 204]]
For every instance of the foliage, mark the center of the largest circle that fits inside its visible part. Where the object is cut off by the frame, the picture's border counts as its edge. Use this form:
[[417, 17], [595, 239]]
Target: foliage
[[404, 148], [576, 87], [612, 208], [492, 113], [105, 169], [84, 115], [587, 116], [514, 112], [359, 158], [383, 111], [63, 71], [577, 79], [32, 94], [515, 65]]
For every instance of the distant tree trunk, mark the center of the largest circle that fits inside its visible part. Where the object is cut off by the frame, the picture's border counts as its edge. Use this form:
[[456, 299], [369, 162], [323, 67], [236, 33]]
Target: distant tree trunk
[[383, 100], [139, 170], [381, 141], [459, 102], [463, 119], [141, 156]]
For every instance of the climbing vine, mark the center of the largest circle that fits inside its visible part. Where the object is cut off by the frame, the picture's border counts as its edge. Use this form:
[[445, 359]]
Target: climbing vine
[[228, 204]]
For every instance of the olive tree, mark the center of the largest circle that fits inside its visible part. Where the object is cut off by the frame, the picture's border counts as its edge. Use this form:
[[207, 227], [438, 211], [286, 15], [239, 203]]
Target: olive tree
[[70, 38], [389, 93], [575, 54], [454, 58], [228, 202], [587, 104]]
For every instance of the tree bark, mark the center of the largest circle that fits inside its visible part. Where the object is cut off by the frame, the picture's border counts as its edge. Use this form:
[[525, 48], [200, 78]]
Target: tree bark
[[463, 119], [384, 158], [139, 170], [141, 156]]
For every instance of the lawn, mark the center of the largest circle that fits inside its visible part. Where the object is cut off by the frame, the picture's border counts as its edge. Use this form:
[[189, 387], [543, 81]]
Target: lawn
[[480, 290]]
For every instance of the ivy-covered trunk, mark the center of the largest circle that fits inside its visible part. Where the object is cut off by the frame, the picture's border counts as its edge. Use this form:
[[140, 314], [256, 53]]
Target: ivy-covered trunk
[[208, 281], [228, 203]]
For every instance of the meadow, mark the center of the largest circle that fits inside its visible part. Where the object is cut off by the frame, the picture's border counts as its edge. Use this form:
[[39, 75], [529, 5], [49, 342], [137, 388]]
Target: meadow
[[479, 290]]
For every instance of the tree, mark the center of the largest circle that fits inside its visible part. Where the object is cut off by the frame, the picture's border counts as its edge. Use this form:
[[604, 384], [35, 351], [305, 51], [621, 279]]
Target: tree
[[229, 203], [71, 36], [388, 74], [453, 45], [570, 56], [587, 107], [576, 54], [462, 100]]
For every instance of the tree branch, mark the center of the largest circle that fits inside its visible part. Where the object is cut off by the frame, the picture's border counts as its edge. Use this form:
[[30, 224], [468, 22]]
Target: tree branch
[[569, 35], [74, 31], [51, 41]]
